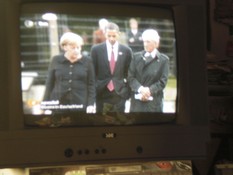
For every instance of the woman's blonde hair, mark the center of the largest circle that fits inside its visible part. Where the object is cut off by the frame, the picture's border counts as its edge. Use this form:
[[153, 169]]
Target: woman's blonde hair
[[70, 38]]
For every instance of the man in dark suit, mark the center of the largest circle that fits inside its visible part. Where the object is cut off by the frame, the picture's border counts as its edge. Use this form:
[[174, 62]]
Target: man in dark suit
[[148, 74], [111, 62]]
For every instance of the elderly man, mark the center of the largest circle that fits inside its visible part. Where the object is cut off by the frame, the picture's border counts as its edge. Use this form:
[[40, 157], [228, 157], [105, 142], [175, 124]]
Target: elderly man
[[148, 74]]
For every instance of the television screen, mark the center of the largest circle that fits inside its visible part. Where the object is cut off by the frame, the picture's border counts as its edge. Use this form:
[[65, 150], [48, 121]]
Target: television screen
[[57, 91]]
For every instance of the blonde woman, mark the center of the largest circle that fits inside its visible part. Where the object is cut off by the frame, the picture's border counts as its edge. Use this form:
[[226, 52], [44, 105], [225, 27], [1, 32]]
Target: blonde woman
[[70, 82]]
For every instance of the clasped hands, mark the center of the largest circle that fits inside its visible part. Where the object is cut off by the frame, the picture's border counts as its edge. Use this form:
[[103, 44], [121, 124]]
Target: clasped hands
[[91, 109], [145, 92]]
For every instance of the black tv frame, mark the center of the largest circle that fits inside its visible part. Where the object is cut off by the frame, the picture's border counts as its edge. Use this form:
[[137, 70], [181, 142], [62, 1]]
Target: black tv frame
[[186, 139]]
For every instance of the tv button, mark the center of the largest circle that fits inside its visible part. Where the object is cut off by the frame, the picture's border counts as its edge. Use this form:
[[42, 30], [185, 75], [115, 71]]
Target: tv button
[[68, 152], [139, 149]]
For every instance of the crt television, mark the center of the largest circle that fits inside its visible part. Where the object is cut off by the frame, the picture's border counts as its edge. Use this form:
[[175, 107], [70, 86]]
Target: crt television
[[32, 135]]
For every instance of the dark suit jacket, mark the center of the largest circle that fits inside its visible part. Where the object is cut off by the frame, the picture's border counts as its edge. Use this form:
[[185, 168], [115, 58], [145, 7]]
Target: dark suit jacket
[[137, 44], [102, 69], [152, 74], [71, 83]]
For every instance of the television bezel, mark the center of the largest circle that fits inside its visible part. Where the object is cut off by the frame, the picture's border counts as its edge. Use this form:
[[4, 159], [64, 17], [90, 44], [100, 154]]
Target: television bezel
[[185, 139]]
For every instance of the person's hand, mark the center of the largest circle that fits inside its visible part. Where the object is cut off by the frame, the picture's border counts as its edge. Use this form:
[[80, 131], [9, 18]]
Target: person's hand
[[90, 109], [47, 112], [131, 40], [145, 91]]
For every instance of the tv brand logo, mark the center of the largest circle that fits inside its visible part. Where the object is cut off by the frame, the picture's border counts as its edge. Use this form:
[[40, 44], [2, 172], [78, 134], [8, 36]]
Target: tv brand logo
[[109, 135]]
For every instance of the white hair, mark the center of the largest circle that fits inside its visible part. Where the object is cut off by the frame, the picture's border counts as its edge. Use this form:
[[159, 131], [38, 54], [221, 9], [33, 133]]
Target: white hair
[[102, 23], [151, 35]]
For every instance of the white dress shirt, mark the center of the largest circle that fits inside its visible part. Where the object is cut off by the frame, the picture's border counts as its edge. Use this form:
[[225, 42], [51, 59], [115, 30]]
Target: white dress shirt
[[115, 50], [153, 53]]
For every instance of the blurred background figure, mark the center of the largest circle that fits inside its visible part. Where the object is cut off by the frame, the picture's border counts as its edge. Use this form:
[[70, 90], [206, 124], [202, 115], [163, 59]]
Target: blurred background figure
[[134, 36], [98, 35]]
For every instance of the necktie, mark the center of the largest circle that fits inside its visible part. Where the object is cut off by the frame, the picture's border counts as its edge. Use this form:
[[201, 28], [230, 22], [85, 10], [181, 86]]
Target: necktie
[[112, 62], [112, 66], [148, 57]]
